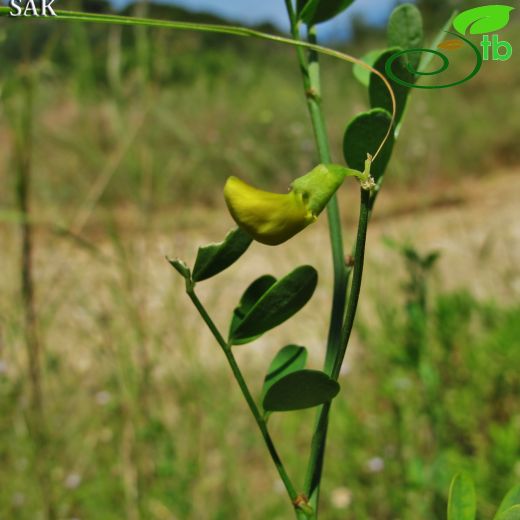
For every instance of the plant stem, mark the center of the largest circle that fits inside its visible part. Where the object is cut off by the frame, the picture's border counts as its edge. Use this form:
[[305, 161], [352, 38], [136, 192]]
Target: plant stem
[[226, 348], [357, 275], [23, 150], [314, 469], [333, 214], [312, 85], [23, 184]]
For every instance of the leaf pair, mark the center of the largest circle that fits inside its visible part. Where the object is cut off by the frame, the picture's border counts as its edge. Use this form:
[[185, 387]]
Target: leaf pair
[[404, 33], [366, 131], [288, 386], [265, 304], [268, 302], [462, 501]]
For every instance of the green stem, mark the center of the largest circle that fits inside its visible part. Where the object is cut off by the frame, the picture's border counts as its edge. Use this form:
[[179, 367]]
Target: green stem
[[333, 214], [357, 275], [226, 348], [133, 21], [312, 85], [314, 469]]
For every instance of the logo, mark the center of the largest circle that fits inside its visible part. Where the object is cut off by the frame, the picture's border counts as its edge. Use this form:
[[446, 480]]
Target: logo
[[30, 8], [478, 21]]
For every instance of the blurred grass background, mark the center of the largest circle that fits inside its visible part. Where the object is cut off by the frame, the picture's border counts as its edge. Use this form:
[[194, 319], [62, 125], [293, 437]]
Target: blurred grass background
[[134, 133]]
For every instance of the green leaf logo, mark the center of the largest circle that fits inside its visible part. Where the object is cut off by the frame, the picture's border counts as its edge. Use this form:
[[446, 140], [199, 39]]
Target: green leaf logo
[[485, 19]]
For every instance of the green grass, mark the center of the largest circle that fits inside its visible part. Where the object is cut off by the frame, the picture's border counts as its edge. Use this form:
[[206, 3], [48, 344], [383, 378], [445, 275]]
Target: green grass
[[143, 419]]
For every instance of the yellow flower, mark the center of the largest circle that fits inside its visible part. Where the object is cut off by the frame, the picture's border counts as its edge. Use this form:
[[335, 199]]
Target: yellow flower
[[273, 218], [270, 218]]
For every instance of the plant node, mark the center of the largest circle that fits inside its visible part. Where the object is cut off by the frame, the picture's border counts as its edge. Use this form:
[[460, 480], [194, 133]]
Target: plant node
[[301, 502]]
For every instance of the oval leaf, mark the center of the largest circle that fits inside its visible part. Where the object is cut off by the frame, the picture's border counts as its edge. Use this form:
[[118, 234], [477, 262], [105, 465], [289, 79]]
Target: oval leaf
[[318, 11], [289, 359], [281, 301], [364, 135], [405, 30], [462, 500], [251, 295], [378, 93], [214, 258], [513, 513], [481, 20], [511, 499], [299, 390]]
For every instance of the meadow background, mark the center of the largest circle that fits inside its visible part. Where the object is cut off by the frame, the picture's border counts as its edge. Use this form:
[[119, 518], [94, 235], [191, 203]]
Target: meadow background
[[114, 400]]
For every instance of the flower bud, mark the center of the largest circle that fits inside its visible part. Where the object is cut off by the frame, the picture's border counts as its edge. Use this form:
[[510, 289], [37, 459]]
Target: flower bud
[[318, 186]]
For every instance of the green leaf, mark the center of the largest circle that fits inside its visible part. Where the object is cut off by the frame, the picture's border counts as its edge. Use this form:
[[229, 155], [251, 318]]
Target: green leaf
[[214, 258], [511, 499], [180, 267], [299, 390], [378, 93], [362, 74], [281, 301], [481, 20], [513, 513], [251, 295], [363, 135], [317, 11], [462, 500], [289, 359], [405, 30]]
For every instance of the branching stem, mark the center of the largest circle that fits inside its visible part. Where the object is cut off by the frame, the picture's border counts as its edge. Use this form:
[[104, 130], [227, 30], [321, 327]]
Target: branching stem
[[339, 330], [297, 500], [312, 85]]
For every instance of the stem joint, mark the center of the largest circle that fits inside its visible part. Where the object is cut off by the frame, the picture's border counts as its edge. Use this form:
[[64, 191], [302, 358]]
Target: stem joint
[[312, 93]]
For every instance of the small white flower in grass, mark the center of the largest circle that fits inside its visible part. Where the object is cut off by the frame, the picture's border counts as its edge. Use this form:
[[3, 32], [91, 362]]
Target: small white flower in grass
[[18, 499], [22, 463], [402, 383], [72, 480], [375, 465], [278, 487], [103, 398], [341, 497]]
